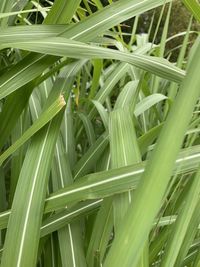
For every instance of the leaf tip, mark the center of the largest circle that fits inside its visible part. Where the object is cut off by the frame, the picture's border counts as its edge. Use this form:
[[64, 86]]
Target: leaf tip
[[62, 101]]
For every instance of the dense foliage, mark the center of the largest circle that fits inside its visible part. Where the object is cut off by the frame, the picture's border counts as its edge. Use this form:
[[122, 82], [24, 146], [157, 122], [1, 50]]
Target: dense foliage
[[99, 133]]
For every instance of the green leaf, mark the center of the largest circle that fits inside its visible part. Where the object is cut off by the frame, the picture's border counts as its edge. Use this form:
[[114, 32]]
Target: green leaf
[[108, 17], [6, 15], [61, 219], [88, 127], [87, 161], [97, 68], [28, 203], [124, 151], [115, 181], [180, 228], [149, 194], [147, 139], [101, 233], [20, 74], [59, 46], [62, 11], [116, 75], [127, 96], [147, 102], [13, 107], [44, 118], [19, 33], [111, 181], [69, 237], [102, 112], [123, 140], [194, 7], [5, 6]]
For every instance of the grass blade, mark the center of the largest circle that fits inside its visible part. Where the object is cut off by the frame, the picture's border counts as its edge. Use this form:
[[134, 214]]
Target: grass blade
[[27, 235], [136, 229], [44, 118], [59, 46]]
